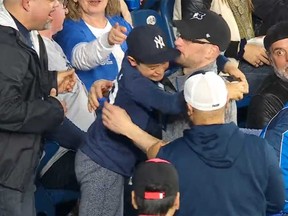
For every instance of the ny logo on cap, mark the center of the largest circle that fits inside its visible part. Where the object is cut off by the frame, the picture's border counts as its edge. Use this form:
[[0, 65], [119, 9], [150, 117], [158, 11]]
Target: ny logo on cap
[[198, 15], [159, 42]]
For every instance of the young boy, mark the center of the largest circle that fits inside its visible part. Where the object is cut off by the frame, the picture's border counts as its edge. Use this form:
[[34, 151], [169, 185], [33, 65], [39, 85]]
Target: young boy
[[105, 158], [155, 188]]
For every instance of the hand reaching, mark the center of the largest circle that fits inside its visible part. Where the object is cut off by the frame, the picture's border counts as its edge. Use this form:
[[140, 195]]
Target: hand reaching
[[236, 90], [66, 80], [116, 119], [97, 90], [117, 34]]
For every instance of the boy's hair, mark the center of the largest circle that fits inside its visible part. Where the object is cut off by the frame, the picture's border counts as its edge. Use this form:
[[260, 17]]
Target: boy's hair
[[156, 184]]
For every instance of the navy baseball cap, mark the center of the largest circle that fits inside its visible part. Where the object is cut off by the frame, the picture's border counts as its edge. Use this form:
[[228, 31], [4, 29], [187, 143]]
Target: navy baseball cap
[[205, 25], [147, 44], [155, 179]]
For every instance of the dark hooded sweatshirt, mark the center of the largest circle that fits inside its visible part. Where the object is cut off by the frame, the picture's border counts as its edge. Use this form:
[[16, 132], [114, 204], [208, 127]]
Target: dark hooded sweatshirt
[[223, 171]]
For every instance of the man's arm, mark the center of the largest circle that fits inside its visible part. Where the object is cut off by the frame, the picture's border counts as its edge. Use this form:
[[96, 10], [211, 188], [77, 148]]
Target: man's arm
[[117, 120]]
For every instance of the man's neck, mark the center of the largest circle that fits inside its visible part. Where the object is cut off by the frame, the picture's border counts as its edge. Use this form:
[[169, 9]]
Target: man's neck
[[205, 67], [46, 33], [207, 119]]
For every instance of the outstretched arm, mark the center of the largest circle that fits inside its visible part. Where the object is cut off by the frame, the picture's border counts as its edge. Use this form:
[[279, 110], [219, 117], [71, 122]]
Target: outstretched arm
[[117, 120]]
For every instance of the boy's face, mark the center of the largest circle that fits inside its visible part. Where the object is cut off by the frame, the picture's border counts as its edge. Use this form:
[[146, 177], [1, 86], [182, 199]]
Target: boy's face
[[153, 72]]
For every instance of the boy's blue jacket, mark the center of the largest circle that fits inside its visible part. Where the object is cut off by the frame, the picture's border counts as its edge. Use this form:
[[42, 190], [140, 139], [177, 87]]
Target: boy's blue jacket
[[143, 99]]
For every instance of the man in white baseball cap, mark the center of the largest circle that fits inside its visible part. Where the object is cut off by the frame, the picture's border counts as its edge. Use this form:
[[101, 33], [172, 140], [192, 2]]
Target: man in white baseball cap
[[222, 171]]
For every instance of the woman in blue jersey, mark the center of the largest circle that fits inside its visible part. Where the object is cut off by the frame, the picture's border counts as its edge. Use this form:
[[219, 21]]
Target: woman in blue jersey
[[93, 38]]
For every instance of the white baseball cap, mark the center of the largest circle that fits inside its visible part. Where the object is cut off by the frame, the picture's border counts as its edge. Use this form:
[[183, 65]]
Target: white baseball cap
[[205, 91]]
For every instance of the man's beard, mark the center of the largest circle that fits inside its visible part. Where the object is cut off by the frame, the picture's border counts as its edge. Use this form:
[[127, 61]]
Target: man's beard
[[47, 25], [281, 73]]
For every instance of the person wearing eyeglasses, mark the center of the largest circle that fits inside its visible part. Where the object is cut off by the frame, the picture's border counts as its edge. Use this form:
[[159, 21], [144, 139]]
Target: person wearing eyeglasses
[[68, 136], [28, 103], [273, 92], [200, 41]]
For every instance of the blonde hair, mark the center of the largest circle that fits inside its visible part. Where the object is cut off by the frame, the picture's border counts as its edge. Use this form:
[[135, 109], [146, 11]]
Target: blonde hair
[[113, 8]]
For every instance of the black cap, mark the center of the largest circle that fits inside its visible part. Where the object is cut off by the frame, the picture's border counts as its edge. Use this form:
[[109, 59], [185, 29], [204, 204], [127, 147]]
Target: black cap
[[156, 173], [147, 44], [277, 32], [205, 25]]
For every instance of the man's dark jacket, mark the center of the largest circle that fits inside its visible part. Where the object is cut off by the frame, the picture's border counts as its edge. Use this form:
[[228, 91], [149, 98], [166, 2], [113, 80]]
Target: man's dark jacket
[[26, 110], [268, 101]]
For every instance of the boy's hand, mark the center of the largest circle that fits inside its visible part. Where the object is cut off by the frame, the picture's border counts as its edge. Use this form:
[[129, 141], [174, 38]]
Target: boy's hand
[[117, 34], [97, 90]]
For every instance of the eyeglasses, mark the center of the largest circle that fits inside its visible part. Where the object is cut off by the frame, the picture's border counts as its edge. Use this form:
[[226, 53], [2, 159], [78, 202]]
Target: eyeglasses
[[199, 42], [178, 35]]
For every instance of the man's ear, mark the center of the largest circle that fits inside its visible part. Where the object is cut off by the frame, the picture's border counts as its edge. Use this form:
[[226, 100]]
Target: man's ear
[[176, 204], [26, 5], [133, 200], [214, 51], [132, 61], [189, 110]]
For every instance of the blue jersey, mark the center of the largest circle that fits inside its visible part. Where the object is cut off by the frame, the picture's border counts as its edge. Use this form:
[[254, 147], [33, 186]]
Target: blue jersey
[[276, 133], [142, 99], [75, 32]]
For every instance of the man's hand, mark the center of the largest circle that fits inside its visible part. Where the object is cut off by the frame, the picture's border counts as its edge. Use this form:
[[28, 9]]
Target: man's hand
[[117, 34], [66, 80], [233, 70], [255, 55], [116, 119], [97, 90], [236, 90], [53, 93]]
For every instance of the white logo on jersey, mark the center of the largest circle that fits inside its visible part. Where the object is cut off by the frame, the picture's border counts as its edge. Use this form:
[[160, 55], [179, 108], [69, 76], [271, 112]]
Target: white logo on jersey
[[198, 15], [159, 42], [113, 92]]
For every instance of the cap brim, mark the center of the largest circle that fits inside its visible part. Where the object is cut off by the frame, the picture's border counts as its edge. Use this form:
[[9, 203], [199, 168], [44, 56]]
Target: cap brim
[[183, 27], [169, 54]]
